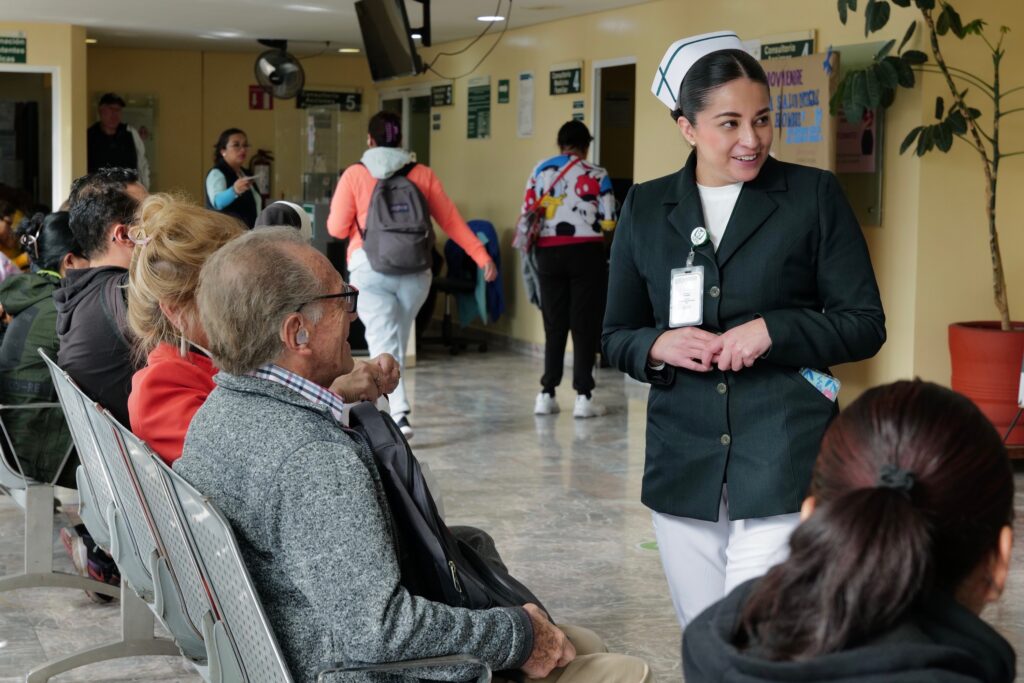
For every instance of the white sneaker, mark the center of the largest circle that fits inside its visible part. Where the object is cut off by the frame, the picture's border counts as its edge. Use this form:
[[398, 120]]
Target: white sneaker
[[545, 404], [585, 407], [404, 426]]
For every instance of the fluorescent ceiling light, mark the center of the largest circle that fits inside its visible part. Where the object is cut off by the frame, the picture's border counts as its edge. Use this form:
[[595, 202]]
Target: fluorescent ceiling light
[[307, 8], [91, 41], [416, 36], [220, 34], [490, 17], [348, 50]]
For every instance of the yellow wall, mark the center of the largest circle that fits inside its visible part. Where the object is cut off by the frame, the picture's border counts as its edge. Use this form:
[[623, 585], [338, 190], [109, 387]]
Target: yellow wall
[[199, 94], [60, 46]]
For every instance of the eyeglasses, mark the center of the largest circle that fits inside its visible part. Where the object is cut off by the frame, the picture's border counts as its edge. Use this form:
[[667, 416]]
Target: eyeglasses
[[235, 145], [348, 299]]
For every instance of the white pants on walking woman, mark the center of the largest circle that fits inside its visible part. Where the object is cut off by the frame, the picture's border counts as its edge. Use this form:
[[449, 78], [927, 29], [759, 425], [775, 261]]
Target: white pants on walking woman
[[704, 561], [388, 305]]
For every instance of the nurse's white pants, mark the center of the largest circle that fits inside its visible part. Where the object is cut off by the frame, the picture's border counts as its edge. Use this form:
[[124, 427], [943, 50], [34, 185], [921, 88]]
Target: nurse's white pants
[[704, 561]]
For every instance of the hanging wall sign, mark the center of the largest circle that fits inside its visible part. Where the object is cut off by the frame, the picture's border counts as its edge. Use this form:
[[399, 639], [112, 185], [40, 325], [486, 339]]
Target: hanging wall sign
[[441, 95], [13, 48], [344, 101], [566, 78], [478, 107]]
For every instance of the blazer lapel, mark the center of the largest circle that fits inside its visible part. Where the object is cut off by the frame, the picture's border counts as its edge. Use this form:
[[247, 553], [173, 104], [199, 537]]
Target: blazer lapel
[[753, 208], [687, 213]]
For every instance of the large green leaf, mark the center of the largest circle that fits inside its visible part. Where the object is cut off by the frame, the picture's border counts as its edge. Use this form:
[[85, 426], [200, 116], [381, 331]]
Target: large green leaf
[[925, 4], [886, 73], [856, 95], [940, 107], [957, 122], [872, 89], [925, 142], [909, 140], [876, 16], [901, 3], [942, 24], [905, 74], [888, 97], [841, 6], [943, 136], [973, 113], [914, 57], [955, 23], [907, 36], [974, 27]]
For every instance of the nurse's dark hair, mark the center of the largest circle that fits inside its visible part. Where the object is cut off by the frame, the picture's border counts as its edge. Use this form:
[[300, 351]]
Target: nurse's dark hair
[[912, 487], [711, 72]]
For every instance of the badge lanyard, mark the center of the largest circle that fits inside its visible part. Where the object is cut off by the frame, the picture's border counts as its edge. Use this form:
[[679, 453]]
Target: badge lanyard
[[686, 300]]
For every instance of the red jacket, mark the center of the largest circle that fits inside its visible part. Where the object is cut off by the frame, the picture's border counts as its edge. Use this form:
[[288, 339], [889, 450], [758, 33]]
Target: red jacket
[[165, 395]]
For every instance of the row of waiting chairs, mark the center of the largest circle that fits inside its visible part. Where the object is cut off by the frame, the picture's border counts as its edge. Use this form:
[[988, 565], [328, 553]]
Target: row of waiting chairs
[[179, 560]]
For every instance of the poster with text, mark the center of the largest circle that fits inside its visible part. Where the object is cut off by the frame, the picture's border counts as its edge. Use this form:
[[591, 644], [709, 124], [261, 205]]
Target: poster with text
[[800, 91]]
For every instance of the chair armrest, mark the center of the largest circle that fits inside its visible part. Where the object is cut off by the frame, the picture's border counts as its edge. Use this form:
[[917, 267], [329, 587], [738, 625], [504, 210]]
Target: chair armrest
[[428, 663]]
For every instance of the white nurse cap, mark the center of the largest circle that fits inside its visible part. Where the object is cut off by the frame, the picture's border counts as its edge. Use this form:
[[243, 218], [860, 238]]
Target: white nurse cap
[[681, 55]]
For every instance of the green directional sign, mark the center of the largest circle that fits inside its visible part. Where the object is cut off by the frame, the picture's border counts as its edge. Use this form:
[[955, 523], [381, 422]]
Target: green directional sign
[[13, 49]]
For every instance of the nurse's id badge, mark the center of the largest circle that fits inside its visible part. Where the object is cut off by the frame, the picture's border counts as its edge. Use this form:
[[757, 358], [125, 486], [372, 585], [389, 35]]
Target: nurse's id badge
[[686, 299]]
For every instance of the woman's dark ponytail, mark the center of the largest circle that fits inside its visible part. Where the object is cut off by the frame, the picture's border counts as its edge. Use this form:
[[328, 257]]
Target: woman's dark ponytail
[[912, 487], [857, 564], [47, 238]]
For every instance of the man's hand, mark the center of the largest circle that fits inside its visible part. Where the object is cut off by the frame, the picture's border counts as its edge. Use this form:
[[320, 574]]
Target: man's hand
[[685, 347], [551, 649], [364, 383], [490, 271], [391, 372], [742, 345]]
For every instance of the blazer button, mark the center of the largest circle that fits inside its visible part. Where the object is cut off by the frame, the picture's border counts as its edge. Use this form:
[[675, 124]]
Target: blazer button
[[726, 439], [714, 291], [722, 388]]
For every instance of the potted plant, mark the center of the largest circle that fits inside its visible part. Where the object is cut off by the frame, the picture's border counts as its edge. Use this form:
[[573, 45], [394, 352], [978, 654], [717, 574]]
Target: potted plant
[[986, 355]]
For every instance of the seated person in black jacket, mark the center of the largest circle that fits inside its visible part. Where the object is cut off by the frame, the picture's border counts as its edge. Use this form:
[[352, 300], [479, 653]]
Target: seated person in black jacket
[[906, 536], [95, 346]]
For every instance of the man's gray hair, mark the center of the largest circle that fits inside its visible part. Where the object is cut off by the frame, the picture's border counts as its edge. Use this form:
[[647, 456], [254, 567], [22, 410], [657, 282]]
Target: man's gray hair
[[246, 290]]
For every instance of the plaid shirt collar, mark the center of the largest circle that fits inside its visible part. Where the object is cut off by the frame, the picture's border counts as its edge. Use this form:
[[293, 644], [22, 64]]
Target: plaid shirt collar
[[303, 387]]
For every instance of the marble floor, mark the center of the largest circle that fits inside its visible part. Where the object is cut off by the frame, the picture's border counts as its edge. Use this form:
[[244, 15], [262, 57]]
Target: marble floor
[[560, 496]]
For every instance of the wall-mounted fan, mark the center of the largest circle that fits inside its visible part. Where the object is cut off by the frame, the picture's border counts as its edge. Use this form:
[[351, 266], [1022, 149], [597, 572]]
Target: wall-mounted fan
[[278, 72]]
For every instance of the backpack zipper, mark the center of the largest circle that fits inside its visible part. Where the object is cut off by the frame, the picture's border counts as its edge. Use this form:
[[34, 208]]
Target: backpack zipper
[[455, 576]]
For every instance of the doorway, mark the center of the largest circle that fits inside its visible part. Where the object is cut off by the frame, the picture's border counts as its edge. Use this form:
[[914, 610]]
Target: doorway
[[26, 140], [413, 105], [615, 121]]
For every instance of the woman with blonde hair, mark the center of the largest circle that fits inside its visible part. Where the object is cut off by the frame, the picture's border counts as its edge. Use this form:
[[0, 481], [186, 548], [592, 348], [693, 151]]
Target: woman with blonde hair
[[173, 240]]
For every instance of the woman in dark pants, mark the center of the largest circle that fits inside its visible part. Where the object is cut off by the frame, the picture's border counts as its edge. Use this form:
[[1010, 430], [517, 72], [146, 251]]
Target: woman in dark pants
[[571, 266], [736, 283]]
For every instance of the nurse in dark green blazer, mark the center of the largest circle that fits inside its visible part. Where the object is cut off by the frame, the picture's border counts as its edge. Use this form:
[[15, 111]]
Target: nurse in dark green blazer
[[733, 427]]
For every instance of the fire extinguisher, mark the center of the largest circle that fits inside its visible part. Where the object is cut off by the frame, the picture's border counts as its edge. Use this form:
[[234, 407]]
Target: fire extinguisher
[[262, 163]]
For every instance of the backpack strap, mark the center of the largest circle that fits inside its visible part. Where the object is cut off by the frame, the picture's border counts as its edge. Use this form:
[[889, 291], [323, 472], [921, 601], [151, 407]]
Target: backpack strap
[[404, 171], [536, 205]]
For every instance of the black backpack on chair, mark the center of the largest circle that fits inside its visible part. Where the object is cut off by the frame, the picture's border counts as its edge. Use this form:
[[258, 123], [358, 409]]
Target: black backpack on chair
[[435, 564]]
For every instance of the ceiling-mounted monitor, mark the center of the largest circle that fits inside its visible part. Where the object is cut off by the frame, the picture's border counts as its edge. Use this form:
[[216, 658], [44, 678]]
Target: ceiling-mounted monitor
[[387, 39]]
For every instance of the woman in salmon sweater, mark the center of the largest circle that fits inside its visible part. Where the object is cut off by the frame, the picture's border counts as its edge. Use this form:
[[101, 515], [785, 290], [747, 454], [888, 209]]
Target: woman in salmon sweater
[[173, 240], [388, 303]]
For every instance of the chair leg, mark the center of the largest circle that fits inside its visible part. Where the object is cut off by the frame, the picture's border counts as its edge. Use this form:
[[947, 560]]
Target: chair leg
[[39, 573], [137, 639]]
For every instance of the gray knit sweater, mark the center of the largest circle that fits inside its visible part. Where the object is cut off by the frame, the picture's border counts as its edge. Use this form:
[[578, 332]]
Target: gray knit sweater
[[306, 504]]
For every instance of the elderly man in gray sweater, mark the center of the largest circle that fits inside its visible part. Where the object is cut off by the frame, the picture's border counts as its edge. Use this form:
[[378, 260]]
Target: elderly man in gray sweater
[[305, 499]]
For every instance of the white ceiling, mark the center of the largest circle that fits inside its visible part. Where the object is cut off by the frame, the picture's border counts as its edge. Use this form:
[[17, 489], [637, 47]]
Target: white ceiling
[[236, 24]]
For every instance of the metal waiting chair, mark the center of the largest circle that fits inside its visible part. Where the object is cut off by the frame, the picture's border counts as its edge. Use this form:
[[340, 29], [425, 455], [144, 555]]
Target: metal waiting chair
[[36, 498], [247, 649], [100, 514]]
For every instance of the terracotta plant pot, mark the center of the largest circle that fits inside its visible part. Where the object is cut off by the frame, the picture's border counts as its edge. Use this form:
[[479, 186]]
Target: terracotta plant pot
[[986, 369]]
